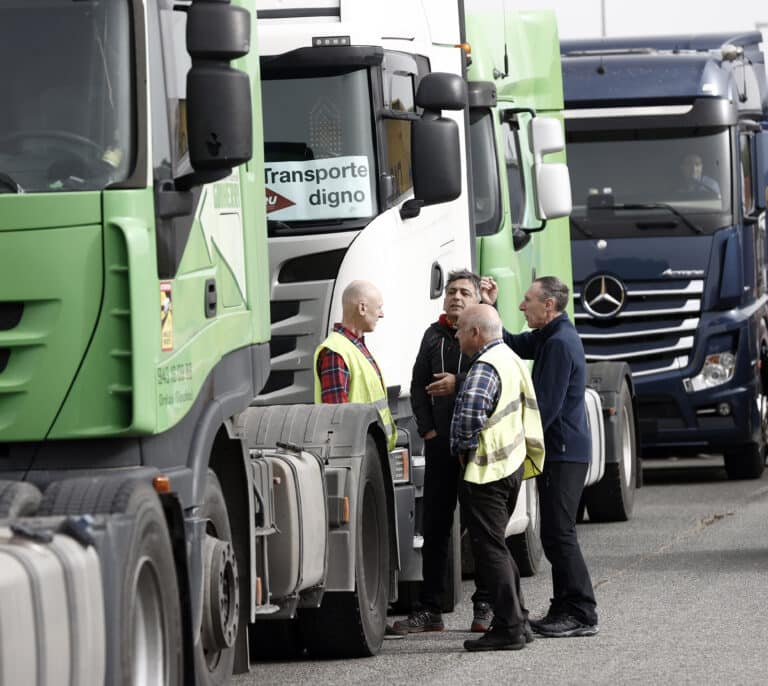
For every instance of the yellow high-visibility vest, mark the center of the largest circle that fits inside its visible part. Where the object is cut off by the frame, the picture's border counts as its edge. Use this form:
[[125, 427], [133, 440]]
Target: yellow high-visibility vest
[[513, 433], [365, 385]]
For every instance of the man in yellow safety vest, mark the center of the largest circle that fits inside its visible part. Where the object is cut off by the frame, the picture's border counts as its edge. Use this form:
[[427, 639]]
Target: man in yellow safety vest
[[345, 371], [497, 435]]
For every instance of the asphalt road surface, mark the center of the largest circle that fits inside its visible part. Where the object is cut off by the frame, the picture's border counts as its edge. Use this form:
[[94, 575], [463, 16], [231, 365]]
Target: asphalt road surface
[[682, 592]]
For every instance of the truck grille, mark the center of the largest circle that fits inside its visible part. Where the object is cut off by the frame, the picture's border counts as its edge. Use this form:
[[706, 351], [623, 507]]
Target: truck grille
[[10, 316], [296, 332], [654, 331], [303, 274]]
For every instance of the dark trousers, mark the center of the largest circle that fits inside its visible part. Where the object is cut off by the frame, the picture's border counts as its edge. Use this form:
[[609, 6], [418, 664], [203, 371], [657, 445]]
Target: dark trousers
[[560, 486], [487, 508], [441, 489]]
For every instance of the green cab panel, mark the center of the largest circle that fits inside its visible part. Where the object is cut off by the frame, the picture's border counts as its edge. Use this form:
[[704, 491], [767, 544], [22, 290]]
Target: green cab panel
[[113, 391], [51, 266], [532, 80], [532, 47]]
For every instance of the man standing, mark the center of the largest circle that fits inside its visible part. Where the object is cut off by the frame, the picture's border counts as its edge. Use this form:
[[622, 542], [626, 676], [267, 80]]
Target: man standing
[[345, 371], [559, 376], [437, 375], [495, 429]]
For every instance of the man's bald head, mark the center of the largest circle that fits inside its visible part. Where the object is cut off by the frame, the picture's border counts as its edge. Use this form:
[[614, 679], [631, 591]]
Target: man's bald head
[[362, 306], [478, 325]]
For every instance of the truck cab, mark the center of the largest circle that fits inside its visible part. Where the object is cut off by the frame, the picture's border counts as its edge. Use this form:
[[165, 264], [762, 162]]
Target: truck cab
[[666, 149]]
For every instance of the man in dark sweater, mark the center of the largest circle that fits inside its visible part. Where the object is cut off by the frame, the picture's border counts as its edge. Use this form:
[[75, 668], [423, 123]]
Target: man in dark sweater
[[559, 378], [437, 376]]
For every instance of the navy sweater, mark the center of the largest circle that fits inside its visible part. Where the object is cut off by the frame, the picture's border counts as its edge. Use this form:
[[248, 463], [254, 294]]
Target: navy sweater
[[559, 379]]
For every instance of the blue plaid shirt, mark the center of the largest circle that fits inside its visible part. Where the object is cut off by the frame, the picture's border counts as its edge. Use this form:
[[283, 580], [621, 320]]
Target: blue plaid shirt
[[475, 402]]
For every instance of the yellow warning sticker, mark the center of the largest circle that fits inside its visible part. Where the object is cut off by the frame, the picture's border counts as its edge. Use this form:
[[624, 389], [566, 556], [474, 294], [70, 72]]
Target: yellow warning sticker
[[166, 316]]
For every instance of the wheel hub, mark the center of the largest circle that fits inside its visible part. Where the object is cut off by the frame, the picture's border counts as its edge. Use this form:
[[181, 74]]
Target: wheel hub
[[221, 609]]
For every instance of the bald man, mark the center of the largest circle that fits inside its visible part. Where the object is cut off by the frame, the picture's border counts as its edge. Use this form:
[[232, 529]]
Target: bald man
[[345, 371], [496, 435]]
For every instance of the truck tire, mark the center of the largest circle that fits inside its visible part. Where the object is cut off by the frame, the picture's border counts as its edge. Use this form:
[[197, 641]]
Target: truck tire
[[18, 499], [150, 628], [526, 547], [351, 624], [221, 599], [748, 461], [612, 498]]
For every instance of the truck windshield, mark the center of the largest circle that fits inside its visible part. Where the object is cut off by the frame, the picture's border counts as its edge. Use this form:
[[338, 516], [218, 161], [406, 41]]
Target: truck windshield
[[66, 115], [648, 183], [319, 169]]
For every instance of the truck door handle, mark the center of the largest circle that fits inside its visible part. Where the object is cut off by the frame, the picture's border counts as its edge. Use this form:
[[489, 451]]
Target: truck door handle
[[436, 281]]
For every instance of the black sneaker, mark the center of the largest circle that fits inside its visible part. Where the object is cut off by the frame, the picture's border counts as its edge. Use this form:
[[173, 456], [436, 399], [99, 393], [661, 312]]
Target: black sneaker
[[483, 616], [418, 622], [563, 626], [534, 624], [496, 639]]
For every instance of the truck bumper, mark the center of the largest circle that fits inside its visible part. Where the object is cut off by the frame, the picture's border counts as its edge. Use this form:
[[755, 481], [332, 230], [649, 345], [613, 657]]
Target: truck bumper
[[709, 420]]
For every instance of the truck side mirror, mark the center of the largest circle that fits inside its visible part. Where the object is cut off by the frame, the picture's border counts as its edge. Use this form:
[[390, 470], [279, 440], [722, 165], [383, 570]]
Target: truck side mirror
[[219, 113], [435, 143], [441, 91], [546, 135], [552, 181], [553, 190]]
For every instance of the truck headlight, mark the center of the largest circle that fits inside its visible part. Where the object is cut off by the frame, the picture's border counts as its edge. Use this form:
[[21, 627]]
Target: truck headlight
[[717, 369]]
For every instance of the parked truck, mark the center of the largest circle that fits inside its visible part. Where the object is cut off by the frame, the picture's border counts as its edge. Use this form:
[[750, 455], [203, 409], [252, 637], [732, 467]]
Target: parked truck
[[667, 150], [517, 52], [179, 443]]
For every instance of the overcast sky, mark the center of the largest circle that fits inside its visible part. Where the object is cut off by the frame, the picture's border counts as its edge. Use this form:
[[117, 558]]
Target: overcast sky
[[584, 18]]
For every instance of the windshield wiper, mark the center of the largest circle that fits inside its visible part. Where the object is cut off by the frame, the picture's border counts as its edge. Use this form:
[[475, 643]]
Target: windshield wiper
[[659, 206], [8, 182]]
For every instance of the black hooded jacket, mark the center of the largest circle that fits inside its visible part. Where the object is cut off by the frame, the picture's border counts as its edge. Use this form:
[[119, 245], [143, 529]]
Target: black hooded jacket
[[439, 352]]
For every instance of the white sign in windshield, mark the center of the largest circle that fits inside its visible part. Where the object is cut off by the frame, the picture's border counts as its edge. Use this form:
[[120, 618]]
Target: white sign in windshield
[[333, 188]]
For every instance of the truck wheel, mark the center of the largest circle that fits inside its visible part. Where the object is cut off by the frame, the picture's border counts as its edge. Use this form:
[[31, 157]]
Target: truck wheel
[[352, 624], [151, 641], [526, 547], [152, 636], [612, 498], [748, 461], [18, 499], [221, 597]]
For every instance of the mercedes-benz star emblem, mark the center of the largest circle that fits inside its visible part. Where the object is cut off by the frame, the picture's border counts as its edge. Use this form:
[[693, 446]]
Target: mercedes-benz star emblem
[[603, 296]]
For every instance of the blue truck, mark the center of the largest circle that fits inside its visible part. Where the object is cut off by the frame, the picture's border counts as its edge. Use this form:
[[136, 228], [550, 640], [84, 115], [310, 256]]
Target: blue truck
[[668, 154]]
